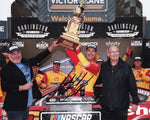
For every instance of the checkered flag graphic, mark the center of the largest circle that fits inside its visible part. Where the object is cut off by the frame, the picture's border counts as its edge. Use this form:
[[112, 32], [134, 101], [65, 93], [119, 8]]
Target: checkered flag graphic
[[32, 5], [25, 8], [128, 8]]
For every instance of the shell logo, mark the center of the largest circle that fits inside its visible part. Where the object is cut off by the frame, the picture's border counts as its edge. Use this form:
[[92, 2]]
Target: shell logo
[[56, 79]]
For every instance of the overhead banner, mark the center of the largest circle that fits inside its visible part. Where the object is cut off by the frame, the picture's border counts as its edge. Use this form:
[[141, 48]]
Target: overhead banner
[[122, 27], [3, 30], [34, 29], [61, 11]]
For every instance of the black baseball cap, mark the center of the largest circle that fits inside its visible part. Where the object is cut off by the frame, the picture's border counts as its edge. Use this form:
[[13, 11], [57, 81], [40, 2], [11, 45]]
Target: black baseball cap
[[56, 62], [12, 48], [37, 64], [137, 58], [91, 46]]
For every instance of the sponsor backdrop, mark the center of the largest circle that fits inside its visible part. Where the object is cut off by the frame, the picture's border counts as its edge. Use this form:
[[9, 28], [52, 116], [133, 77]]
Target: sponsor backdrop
[[31, 47], [122, 27]]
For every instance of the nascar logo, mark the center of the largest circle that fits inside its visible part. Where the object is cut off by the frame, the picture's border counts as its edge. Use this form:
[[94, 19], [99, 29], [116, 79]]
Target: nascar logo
[[70, 115]]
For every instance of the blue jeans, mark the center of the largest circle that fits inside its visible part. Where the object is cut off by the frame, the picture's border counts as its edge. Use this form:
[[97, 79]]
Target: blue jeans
[[18, 115]]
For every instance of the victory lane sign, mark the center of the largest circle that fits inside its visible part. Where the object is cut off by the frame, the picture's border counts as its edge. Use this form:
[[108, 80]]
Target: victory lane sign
[[60, 10]]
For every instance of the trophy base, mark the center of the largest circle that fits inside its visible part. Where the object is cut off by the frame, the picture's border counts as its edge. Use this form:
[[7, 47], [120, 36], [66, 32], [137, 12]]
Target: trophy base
[[67, 42]]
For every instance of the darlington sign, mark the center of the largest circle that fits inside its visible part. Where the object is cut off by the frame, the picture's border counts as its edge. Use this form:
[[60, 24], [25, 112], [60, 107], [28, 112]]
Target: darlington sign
[[62, 10]]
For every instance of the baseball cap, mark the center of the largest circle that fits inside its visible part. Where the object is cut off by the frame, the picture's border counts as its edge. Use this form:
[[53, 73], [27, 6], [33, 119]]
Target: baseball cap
[[137, 58], [99, 60], [37, 64], [12, 48], [91, 46], [56, 62]]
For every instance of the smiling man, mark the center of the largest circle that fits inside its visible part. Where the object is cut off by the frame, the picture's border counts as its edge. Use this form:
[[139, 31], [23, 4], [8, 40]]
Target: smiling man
[[55, 76], [142, 75], [17, 82], [86, 70]]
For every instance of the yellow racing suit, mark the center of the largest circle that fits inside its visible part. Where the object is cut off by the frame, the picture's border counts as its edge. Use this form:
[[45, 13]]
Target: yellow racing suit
[[142, 75], [2, 94], [52, 78], [39, 77], [85, 74]]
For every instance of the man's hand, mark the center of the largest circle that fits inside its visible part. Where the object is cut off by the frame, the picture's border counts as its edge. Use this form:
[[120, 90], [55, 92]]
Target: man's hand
[[78, 47], [129, 52], [134, 107], [54, 44], [26, 86]]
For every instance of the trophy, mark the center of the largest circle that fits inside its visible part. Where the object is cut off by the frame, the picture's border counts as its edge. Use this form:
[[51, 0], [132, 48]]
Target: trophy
[[70, 39]]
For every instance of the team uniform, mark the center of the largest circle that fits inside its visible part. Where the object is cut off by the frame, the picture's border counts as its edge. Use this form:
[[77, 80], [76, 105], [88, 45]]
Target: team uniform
[[125, 57], [39, 77], [3, 94], [142, 79], [52, 78], [86, 73]]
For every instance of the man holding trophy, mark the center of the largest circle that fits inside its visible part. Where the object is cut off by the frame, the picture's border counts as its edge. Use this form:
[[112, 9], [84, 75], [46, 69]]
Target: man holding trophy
[[86, 69]]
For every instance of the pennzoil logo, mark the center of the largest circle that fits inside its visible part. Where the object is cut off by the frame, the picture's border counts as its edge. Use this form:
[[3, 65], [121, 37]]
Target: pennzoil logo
[[86, 43], [122, 30], [69, 5], [32, 31]]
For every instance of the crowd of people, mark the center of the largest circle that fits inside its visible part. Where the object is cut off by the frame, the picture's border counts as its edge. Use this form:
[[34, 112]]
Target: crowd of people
[[22, 80]]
